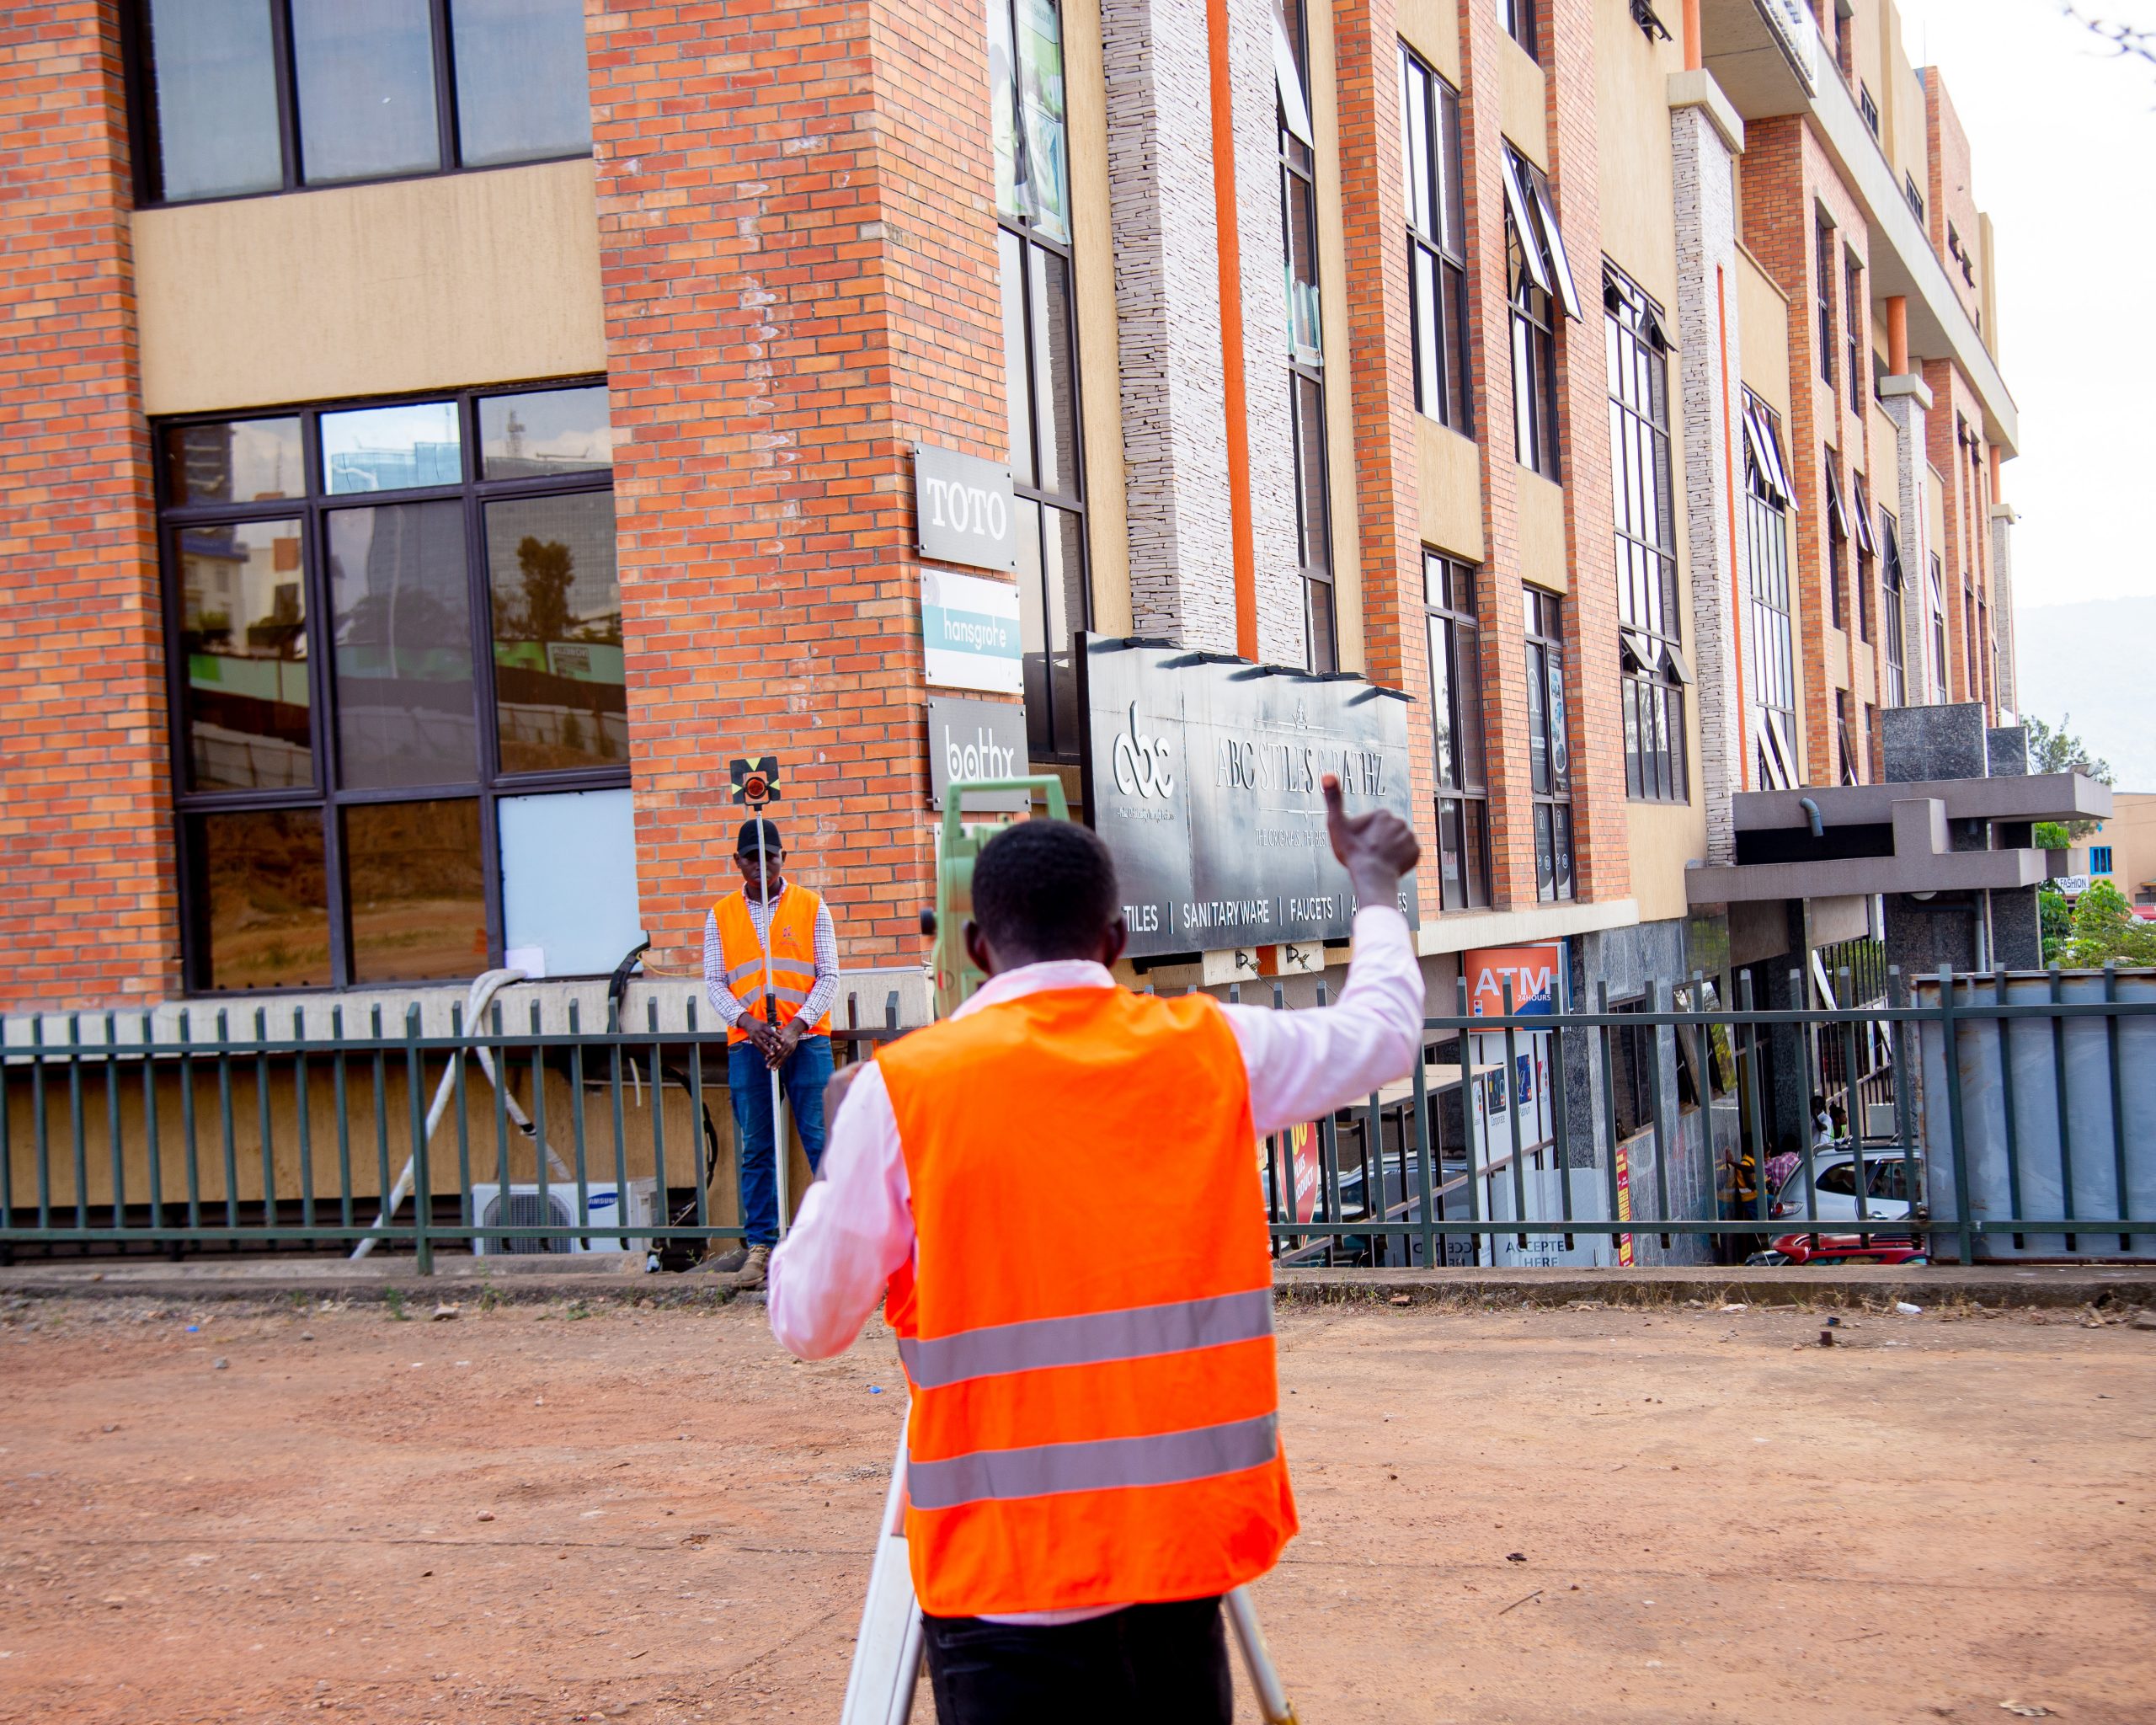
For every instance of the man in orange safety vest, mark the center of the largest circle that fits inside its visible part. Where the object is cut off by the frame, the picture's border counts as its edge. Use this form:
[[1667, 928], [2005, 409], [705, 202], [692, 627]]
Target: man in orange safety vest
[[1056, 1193]]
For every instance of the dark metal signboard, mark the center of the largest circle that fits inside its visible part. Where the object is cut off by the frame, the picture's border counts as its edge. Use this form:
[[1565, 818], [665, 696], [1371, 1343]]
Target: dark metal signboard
[[1202, 773], [963, 509]]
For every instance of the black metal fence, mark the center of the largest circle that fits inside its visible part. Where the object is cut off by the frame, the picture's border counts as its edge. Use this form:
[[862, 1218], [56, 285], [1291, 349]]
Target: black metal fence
[[1674, 1128]]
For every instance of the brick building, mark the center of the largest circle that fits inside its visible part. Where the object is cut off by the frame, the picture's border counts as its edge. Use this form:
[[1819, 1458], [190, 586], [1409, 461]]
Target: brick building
[[441, 435]]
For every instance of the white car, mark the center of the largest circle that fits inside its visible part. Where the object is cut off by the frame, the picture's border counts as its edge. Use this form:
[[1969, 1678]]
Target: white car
[[1834, 1176]]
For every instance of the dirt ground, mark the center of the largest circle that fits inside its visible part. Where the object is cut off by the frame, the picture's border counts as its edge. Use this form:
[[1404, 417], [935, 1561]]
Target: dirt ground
[[653, 1515]]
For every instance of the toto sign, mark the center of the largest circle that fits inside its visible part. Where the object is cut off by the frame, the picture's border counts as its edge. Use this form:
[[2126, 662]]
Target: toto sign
[[1202, 774], [962, 509]]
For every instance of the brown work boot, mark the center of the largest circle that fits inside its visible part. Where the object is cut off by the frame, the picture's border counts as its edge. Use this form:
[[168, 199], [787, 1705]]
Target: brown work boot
[[752, 1271], [725, 1264]]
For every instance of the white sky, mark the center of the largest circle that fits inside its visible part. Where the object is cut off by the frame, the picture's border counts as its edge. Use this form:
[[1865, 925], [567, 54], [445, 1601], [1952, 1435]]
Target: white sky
[[2063, 141]]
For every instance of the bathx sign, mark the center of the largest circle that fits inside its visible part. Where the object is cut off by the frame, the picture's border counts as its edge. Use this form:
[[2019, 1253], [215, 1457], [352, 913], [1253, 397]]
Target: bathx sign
[[969, 633], [1201, 776]]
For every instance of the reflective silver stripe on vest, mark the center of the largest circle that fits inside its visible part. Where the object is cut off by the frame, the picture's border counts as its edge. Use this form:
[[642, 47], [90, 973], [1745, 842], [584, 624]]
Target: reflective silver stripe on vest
[[1135, 1333], [780, 967], [1172, 1458]]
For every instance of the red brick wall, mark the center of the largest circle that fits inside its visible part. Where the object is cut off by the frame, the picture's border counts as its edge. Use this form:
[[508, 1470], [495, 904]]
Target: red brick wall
[[1951, 196], [87, 912], [797, 247], [1388, 522]]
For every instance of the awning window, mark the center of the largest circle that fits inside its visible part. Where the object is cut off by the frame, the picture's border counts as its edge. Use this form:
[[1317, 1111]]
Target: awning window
[[1295, 106], [1553, 241], [1865, 542], [1767, 455], [1524, 227], [1890, 553], [1837, 517]]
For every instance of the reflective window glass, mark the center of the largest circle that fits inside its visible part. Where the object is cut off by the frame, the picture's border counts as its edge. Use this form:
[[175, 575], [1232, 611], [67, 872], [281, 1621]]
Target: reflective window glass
[[546, 431], [523, 85], [1018, 386], [391, 449], [213, 88], [1055, 371], [233, 461], [560, 693], [366, 89], [402, 625], [1044, 189], [242, 633], [262, 900], [415, 890]]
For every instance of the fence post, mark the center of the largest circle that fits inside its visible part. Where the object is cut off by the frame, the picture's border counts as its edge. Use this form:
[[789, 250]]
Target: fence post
[[1750, 1068], [2118, 1098], [2058, 1091], [1512, 1108], [1950, 1043], [1468, 1085], [1654, 1098], [1853, 1100], [422, 1195], [2006, 1102], [1897, 996]]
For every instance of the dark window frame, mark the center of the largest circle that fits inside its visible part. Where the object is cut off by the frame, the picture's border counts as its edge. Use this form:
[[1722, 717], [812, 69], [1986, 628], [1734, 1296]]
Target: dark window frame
[[1893, 594], [1549, 775], [1772, 655], [1454, 631], [1652, 669], [1854, 307], [1868, 107], [1517, 19], [327, 797], [137, 61], [1438, 317], [1912, 195], [1824, 269], [1536, 313], [1307, 432], [1042, 739], [1837, 535]]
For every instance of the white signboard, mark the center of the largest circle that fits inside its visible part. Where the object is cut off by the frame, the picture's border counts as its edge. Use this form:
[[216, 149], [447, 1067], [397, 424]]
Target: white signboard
[[969, 633]]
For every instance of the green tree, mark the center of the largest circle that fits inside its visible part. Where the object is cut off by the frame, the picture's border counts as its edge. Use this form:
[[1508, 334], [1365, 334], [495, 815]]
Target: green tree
[[2105, 928], [2059, 750], [548, 568], [2055, 916]]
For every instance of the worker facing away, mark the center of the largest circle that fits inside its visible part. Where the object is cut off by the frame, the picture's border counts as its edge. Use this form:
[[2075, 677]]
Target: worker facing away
[[1056, 1191], [788, 1031]]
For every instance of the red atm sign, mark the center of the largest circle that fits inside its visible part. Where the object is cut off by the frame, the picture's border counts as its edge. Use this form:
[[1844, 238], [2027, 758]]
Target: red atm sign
[[1532, 971]]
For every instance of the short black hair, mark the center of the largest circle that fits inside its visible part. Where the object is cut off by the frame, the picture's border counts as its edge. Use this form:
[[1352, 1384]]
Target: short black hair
[[1045, 889]]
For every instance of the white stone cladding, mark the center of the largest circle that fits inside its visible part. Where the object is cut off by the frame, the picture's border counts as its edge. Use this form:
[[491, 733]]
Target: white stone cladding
[[1924, 680], [1265, 332], [1168, 320], [1707, 350]]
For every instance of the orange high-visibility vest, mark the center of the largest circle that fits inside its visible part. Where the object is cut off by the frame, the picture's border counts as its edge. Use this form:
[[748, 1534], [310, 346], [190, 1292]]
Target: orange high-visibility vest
[[793, 955], [1087, 1322]]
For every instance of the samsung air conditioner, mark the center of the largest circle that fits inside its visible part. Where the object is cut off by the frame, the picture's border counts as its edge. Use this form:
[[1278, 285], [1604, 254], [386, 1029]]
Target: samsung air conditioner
[[522, 1206]]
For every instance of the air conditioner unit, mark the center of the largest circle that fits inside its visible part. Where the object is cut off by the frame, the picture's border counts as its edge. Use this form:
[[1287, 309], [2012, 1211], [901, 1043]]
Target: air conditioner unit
[[521, 1206]]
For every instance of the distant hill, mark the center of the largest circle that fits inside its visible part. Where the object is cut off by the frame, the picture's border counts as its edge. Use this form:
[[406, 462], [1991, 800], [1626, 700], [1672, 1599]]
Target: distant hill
[[2093, 666]]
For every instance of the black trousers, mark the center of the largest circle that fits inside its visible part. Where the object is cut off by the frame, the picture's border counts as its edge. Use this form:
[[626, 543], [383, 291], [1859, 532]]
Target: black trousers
[[1143, 1665]]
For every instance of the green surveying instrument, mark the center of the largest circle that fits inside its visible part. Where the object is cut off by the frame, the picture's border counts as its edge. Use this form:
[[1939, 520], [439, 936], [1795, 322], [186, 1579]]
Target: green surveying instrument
[[887, 1653], [957, 847]]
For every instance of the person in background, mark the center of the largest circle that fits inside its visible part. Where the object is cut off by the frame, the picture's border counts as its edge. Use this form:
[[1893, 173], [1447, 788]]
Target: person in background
[[1055, 1192], [789, 1032]]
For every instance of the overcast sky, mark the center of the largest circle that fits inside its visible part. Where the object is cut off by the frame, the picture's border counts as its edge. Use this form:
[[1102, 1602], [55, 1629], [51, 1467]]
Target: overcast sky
[[2063, 139]]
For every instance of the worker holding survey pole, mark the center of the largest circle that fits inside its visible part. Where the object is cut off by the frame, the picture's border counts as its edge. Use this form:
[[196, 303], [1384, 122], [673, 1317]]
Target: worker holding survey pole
[[772, 972], [1055, 1192]]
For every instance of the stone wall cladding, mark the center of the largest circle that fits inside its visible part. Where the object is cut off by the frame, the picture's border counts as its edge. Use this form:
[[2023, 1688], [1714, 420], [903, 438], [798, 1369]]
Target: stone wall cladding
[[89, 915], [799, 256], [1168, 318], [1707, 345], [1965, 553], [1910, 521], [1279, 570]]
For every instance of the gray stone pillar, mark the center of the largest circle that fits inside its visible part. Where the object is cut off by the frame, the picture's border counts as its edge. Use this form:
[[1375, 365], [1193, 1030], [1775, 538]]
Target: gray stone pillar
[[1906, 400], [2002, 602], [1705, 139]]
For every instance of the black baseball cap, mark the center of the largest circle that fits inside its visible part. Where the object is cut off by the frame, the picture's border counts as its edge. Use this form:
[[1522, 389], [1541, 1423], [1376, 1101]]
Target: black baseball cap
[[746, 845]]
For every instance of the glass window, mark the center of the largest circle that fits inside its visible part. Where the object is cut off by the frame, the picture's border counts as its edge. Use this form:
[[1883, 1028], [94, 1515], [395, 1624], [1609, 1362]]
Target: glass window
[[1652, 691], [1518, 19], [1550, 772], [403, 627], [351, 620], [1825, 279], [391, 449], [1313, 519], [212, 71], [1436, 252], [416, 889], [246, 96], [1533, 331], [568, 862], [1040, 360], [1456, 728], [1894, 604], [1770, 652], [523, 86], [365, 75], [259, 892], [546, 431], [2100, 859], [233, 461], [242, 639], [561, 694]]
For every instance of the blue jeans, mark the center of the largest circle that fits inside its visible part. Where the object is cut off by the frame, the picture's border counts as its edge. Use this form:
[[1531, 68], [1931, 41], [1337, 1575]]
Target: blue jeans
[[804, 1074]]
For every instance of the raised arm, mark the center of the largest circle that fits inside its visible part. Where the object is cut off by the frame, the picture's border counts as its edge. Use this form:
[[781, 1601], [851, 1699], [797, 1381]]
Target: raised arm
[[1305, 1064]]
